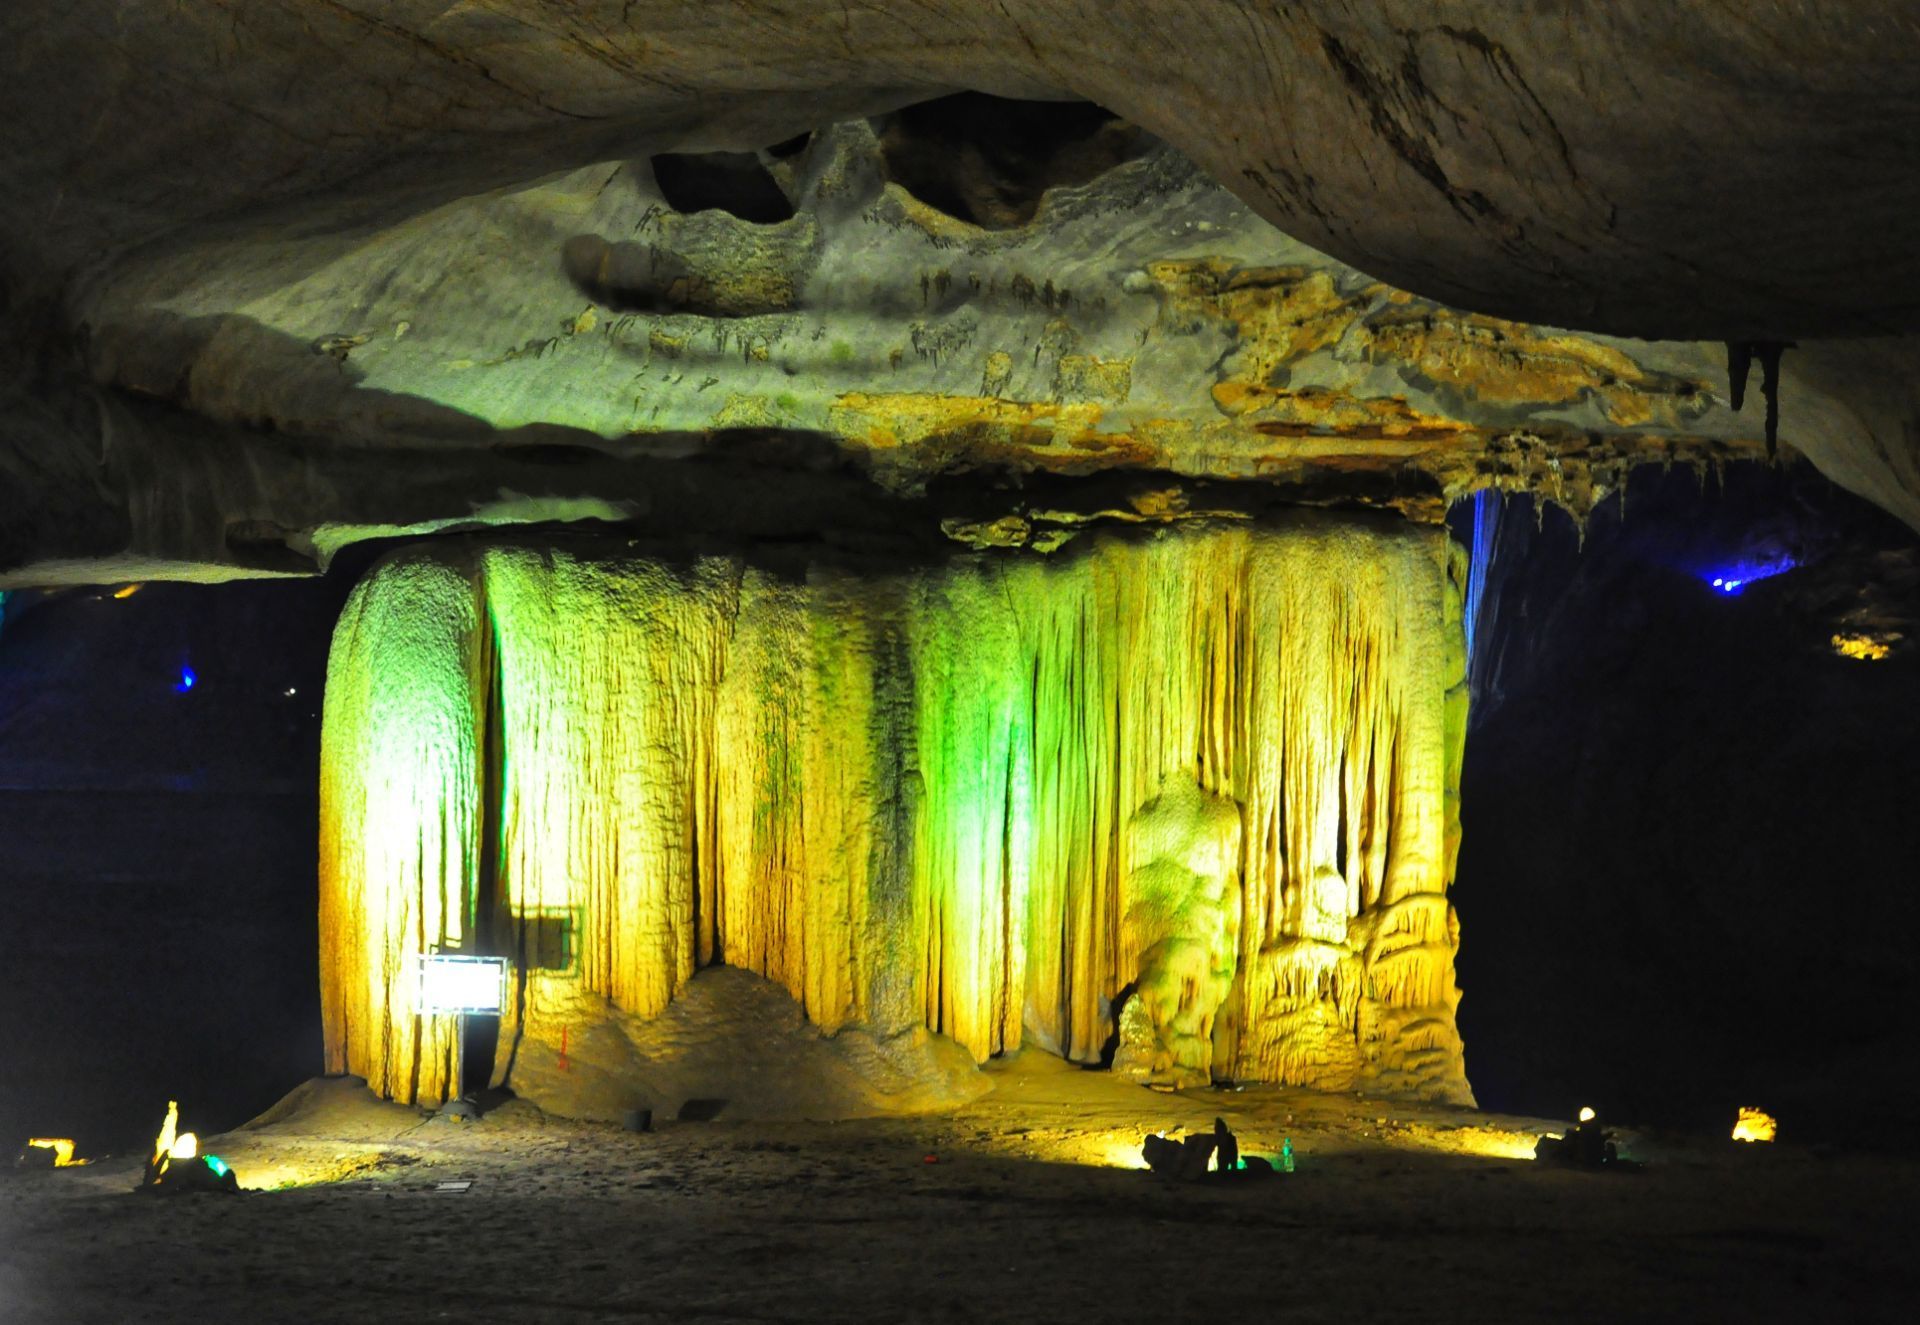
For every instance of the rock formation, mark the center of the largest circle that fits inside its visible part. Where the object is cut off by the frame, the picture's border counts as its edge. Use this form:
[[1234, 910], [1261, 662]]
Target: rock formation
[[979, 796], [867, 445], [1183, 918], [282, 280]]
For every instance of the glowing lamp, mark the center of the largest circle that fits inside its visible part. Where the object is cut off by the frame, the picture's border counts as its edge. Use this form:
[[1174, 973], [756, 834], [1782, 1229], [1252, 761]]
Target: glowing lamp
[[218, 1165], [185, 1146], [1586, 1115], [1735, 578], [464, 986], [1754, 1125], [188, 679]]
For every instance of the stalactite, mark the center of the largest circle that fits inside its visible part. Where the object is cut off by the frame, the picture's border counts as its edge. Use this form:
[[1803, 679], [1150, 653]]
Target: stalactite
[[981, 797], [1740, 357]]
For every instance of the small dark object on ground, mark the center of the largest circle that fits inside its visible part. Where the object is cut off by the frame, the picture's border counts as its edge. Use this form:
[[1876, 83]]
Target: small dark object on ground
[[637, 1120], [459, 1111], [1181, 1161], [490, 1099], [34, 1157], [1225, 1146], [1587, 1145], [201, 1174], [1192, 1159]]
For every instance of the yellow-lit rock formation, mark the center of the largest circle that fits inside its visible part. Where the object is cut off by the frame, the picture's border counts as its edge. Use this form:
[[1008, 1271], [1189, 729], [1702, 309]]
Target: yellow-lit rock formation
[[981, 796]]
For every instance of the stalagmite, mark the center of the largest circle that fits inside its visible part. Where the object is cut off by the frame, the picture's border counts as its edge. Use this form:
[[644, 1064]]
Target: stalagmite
[[1182, 921], [1213, 763]]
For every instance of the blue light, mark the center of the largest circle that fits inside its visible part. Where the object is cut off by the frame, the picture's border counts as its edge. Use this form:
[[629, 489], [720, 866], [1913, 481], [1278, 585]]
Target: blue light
[[188, 678], [218, 1165], [1735, 578]]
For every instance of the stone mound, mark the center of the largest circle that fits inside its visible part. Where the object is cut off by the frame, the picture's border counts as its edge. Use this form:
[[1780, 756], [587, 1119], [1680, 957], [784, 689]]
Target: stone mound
[[736, 1047]]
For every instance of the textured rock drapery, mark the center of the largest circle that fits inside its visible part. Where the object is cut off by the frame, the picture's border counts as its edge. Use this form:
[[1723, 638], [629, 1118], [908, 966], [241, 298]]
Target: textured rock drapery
[[910, 796]]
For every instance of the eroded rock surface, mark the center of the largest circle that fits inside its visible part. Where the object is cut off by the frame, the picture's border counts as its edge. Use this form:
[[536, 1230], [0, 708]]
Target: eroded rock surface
[[286, 276], [582, 350]]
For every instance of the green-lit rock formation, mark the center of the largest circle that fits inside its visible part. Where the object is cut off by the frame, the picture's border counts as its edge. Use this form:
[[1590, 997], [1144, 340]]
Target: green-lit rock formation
[[1209, 766]]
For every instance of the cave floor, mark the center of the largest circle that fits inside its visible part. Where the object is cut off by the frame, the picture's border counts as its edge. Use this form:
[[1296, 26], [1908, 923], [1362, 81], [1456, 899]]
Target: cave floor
[[1032, 1206]]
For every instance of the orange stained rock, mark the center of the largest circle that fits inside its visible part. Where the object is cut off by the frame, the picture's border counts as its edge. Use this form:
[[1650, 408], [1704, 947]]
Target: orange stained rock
[[1278, 314], [890, 419], [1864, 646], [1754, 1125], [1510, 363]]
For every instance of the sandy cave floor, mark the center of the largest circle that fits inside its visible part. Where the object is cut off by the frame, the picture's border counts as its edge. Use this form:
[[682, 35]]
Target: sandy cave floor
[[1030, 1212]]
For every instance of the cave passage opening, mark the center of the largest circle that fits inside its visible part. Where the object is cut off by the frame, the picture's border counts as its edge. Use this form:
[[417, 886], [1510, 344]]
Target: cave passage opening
[[990, 160], [1667, 789], [736, 183]]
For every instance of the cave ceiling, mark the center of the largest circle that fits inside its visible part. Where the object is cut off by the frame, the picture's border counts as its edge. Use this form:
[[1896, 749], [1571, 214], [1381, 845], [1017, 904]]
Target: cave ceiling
[[283, 277]]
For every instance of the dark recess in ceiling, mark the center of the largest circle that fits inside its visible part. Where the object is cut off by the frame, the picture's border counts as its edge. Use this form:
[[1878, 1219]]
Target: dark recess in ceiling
[[989, 160], [732, 182]]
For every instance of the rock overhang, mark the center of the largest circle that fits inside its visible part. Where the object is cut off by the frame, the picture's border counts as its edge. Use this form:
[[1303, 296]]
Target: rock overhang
[[258, 315], [580, 349]]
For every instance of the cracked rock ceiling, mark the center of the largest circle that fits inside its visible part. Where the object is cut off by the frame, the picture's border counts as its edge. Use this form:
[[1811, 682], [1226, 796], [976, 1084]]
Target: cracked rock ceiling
[[285, 275]]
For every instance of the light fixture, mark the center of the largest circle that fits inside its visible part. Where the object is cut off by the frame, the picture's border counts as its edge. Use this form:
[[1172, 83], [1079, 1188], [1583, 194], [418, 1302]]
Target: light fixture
[[1733, 579], [464, 986]]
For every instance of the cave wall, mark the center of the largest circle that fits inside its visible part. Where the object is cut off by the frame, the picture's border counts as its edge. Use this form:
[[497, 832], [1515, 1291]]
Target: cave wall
[[934, 796]]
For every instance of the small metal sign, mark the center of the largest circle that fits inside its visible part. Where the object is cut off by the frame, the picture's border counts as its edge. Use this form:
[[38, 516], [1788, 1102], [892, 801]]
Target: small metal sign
[[466, 986]]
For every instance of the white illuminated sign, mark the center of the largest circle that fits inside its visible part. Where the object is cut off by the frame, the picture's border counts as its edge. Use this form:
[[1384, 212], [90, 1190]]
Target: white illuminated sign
[[474, 986]]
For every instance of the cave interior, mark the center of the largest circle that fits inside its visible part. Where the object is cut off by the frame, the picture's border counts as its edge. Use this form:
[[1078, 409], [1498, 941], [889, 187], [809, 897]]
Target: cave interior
[[880, 583]]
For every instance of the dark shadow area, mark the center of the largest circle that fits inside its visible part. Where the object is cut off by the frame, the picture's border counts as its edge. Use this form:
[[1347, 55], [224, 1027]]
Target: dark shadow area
[[732, 182], [989, 160], [1110, 1047], [479, 1043], [1685, 881], [788, 148], [158, 811]]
